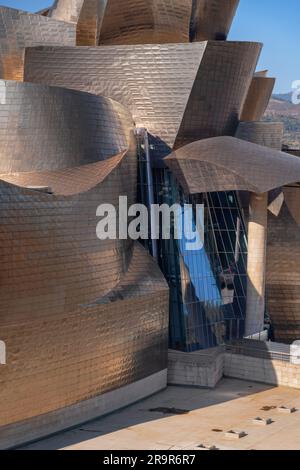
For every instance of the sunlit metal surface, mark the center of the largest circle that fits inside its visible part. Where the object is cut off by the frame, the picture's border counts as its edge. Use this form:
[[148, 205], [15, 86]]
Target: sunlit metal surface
[[63, 291], [146, 22], [228, 163], [82, 316], [169, 89], [95, 310], [258, 97], [103, 22], [67, 10], [19, 29], [87, 15], [59, 128]]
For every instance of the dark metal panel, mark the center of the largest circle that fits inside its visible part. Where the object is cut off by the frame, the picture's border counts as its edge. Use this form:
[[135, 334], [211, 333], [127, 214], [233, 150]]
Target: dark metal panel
[[211, 19], [268, 134], [283, 261]]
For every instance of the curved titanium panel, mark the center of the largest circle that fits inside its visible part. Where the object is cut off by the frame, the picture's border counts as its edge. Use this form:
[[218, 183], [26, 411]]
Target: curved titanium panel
[[211, 19], [89, 22], [162, 101], [107, 22], [77, 351], [227, 163], [62, 290], [146, 22], [258, 98], [19, 30], [152, 81], [111, 22], [86, 14], [269, 134], [283, 275], [66, 182], [66, 10], [52, 128], [51, 256]]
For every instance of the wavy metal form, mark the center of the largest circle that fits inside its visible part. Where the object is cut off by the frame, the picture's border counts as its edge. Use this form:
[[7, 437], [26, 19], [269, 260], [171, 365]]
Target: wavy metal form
[[48, 128], [107, 22], [227, 163], [103, 22], [20, 29], [169, 89], [62, 290], [67, 10], [86, 14], [211, 19], [258, 97], [145, 22]]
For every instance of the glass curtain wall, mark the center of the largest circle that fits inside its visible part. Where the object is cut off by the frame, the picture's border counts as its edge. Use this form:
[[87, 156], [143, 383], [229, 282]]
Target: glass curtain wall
[[208, 285]]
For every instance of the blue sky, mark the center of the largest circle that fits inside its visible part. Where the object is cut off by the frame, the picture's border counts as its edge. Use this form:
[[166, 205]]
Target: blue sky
[[273, 22]]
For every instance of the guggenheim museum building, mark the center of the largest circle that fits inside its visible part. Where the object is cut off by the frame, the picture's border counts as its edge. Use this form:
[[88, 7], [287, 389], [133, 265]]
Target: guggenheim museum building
[[145, 99]]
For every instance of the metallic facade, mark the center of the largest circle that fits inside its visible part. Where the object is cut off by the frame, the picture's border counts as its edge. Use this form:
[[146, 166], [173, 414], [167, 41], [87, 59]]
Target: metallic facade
[[211, 19], [172, 93], [76, 128], [82, 317], [258, 97], [66, 10], [62, 289], [268, 134], [216, 165], [146, 22], [19, 29], [87, 16], [107, 22], [283, 258]]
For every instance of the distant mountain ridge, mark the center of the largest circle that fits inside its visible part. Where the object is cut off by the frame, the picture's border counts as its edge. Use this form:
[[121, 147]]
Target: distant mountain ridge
[[282, 109]]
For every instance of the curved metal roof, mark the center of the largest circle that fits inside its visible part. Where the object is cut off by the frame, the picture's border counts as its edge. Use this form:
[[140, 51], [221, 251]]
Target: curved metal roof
[[228, 163]]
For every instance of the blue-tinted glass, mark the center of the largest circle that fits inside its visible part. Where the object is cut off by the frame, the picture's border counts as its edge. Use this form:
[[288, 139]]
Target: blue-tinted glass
[[207, 285]]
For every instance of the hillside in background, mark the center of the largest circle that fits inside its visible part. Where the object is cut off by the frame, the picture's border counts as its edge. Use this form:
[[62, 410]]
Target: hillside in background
[[282, 109]]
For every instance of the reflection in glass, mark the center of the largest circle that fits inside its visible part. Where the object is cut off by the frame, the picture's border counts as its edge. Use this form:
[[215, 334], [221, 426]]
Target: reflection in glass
[[208, 285]]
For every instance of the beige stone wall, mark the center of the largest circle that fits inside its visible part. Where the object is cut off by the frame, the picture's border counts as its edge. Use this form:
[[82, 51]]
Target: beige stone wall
[[206, 368], [199, 369], [262, 370]]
